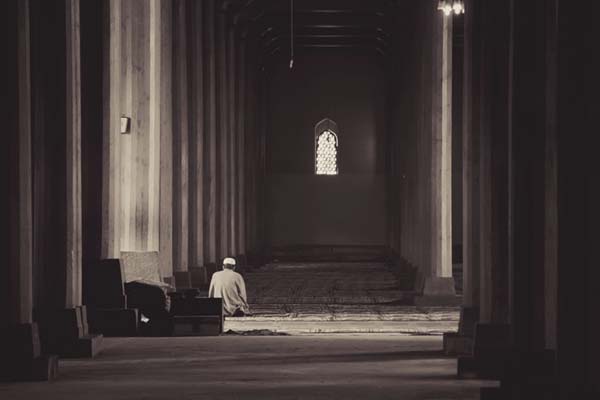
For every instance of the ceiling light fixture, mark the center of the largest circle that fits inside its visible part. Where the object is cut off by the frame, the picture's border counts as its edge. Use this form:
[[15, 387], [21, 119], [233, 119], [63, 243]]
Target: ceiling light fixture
[[449, 6]]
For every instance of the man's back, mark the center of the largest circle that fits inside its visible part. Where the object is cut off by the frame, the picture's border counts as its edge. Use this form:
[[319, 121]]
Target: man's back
[[230, 286]]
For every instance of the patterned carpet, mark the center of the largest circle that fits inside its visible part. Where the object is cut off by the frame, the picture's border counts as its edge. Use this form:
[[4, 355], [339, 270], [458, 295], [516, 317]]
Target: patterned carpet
[[337, 298]]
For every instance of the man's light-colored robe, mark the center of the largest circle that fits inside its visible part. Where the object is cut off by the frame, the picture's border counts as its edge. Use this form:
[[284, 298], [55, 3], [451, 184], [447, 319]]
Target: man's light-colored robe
[[229, 286]]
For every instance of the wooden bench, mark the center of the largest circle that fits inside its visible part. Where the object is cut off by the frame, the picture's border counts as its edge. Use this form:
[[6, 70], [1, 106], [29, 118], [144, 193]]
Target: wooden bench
[[196, 316], [104, 295]]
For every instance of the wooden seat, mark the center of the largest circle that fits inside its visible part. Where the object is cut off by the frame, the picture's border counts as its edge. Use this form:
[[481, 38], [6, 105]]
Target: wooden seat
[[104, 295], [196, 316]]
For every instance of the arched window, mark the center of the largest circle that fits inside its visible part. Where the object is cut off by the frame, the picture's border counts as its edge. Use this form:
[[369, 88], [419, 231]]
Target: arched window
[[326, 148]]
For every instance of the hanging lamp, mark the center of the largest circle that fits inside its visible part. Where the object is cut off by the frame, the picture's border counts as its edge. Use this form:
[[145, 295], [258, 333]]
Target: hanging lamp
[[449, 6]]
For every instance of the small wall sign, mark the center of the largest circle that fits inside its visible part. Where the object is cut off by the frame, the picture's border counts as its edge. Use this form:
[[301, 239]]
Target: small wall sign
[[125, 125]]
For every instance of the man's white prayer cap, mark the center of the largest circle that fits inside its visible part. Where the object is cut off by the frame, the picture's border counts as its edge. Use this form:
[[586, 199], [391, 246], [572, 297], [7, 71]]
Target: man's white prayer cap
[[229, 260]]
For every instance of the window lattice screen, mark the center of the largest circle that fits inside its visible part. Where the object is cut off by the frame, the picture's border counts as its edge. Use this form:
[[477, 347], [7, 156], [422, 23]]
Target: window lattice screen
[[327, 145]]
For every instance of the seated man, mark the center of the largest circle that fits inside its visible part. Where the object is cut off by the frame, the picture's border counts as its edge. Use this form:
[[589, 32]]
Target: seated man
[[229, 286]]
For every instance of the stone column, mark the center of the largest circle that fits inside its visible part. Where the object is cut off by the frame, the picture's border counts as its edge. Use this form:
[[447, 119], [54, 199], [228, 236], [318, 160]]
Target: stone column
[[250, 128], [181, 138], [166, 139], [491, 335], [211, 177], [223, 134], [233, 137], [551, 181], [111, 129], [494, 165], [527, 175], [240, 151], [19, 335], [462, 342], [438, 285], [57, 178], [471, 157], [196, 61], [528, 363], [578, 289]]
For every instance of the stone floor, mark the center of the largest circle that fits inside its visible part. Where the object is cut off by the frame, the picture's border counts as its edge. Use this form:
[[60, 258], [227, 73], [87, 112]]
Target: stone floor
[[342, 366], [318, 331]]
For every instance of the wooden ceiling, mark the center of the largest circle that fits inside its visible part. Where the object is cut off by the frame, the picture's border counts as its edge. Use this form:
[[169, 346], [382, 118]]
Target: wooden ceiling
[[317, 23]]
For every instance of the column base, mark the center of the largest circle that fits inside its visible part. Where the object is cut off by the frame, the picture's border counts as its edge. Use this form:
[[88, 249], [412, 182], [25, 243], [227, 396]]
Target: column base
[[469, 317], [87, 346], [23, 361], [456, 344], [461, 342], [491, 353], [39, 369], [531, 375], [437, 292], [537, 390], [527, 391], [66, 333]]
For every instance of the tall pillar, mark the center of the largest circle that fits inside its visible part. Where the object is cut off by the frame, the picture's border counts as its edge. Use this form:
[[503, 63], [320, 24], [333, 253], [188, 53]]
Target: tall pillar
[[166, 139], [527, 175], [528, 364], [196, 62], [461, 343], [180, 139], [494, 165], [233, 137], [438, 285], [251, 145], [111, 169], [19, 335], [56, 147], [471, 157], [551, 179], [240, 151], [211, 204], [578, 289], [491, 334], [223, 134]]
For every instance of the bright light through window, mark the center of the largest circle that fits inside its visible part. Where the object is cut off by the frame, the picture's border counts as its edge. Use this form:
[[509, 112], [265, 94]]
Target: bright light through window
[[327, 144]]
